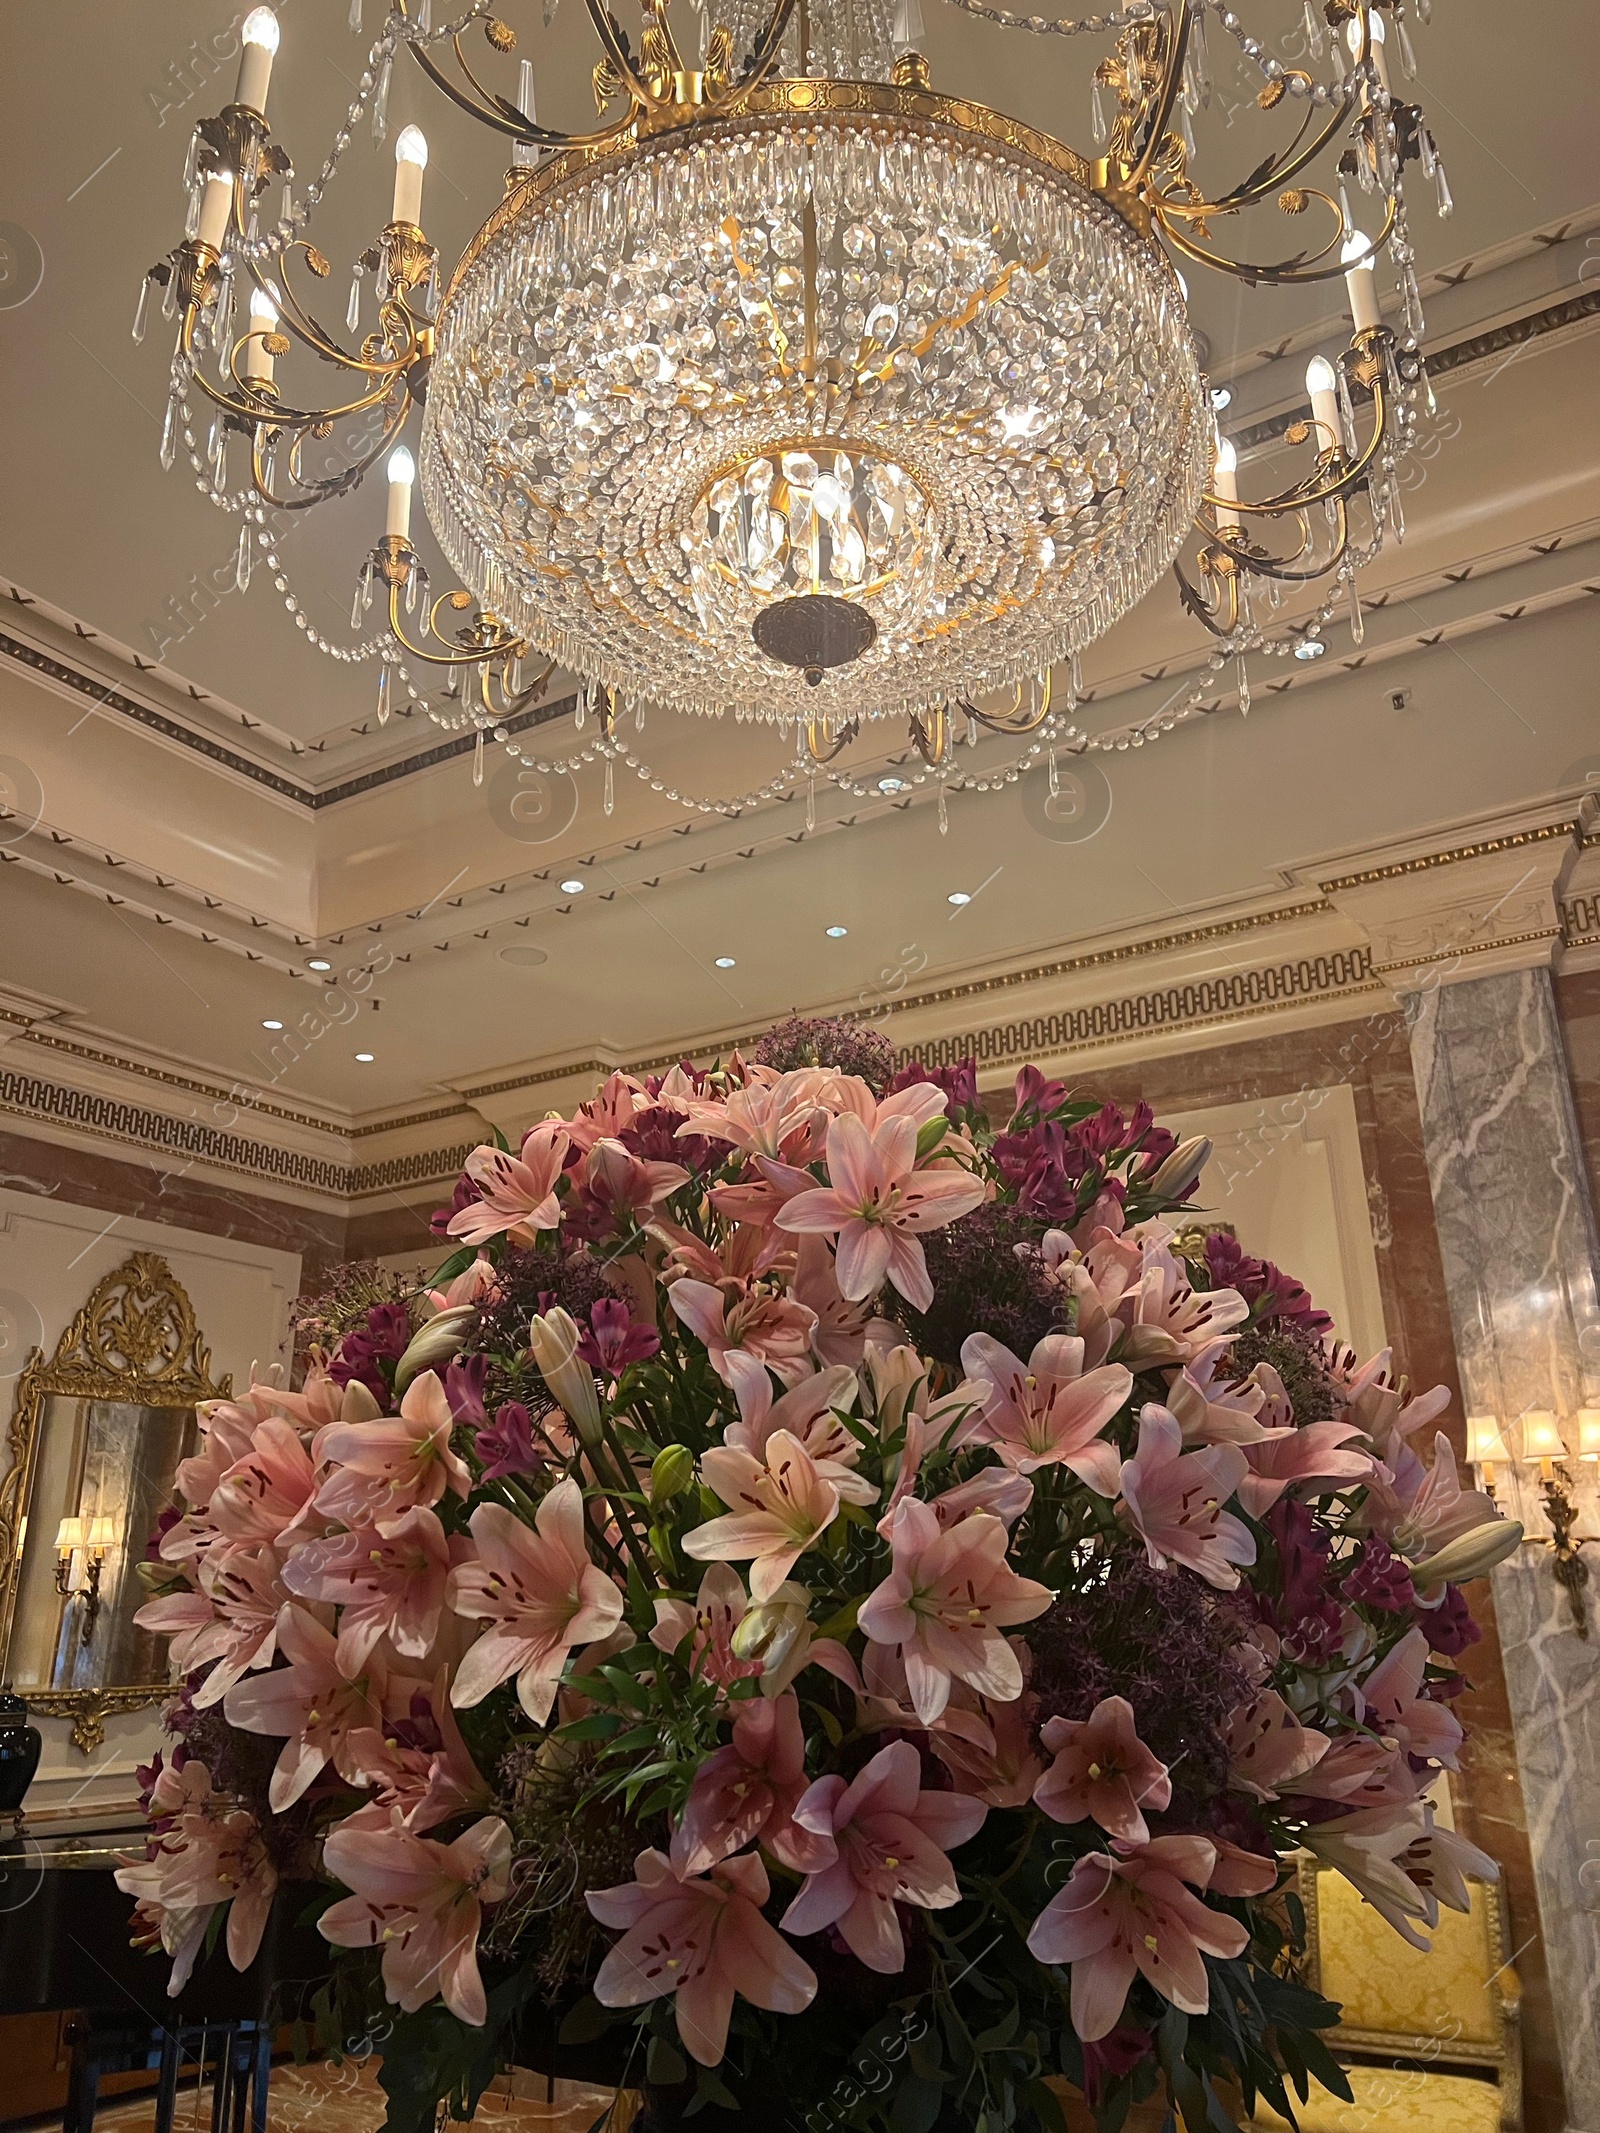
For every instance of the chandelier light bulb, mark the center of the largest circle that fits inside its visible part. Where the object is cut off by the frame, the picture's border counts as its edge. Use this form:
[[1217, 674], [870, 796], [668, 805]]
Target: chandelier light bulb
[[1226, 486], [1322, 383], [1380, 58], [1360, 281], [258, 45], [216, 204], [410, 161], [402, 472], [259, 364]]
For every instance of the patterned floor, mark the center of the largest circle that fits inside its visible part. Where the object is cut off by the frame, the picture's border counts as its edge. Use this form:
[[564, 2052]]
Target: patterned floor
[[348, 2099]]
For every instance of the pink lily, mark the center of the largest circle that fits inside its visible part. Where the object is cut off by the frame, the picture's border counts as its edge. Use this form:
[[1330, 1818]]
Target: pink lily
[[840, 1336], [807, 1412], [379, 1469], [1268, 1746], [388, 1580], [945, 1604], [876, 1203], [516, 1196], [747, 1792], [540, 1594], [1372, 1847], [608, 1114], [244, 1593], [748, 1329], [1003, 1770], [783, 1506], [1101, 1768], [1377, 1404], [1395, 1704], [268, 1492], [1173, 1500], [1358, 1771], [887, 1842], [227, 1431], [424, 1784], [1127, 1912], [720, 1606], [1318, 1457], [1168, 1320], [211, 1854], [761, 1117], [1419, 1510], [702, 1939], [1047, 1411], [625, 1184], [310, 1703], [1213, 1407], [422, 1903]]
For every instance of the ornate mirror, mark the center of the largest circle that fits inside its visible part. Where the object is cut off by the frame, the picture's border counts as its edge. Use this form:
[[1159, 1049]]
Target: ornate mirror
[[96, 1436]]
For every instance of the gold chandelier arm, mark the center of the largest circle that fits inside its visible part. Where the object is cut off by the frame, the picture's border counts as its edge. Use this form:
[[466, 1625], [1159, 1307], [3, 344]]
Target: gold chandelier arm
[[349, 477], [1221, 619], [1273, 174], [395, 560], [299, 322], [765, 55], [496, 112], [1008, 721], [841, 740], [1166, 96], [1282, 275], [930, 734], [1341, 478], [616, 51]]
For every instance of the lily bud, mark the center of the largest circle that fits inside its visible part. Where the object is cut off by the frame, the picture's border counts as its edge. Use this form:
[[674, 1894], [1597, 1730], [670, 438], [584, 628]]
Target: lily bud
[[1141, 1346], [553, 1338], [1174, 1177], [1469, 1555], [771, 1628], [671, 1472], [439, 1339]]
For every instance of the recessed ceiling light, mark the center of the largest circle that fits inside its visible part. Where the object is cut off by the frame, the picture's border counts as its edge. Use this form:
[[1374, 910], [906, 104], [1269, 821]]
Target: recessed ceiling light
[[272, 1023], [523, 952], [319, 962], [837, 933], [891, 785], [1221, 397], [724, 962], [1310, 648], [572, 888], [365, 1058], [958, 896]]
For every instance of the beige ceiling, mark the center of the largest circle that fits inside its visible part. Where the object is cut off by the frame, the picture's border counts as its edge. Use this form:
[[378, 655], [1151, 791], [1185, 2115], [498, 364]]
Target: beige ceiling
[[189, 792]]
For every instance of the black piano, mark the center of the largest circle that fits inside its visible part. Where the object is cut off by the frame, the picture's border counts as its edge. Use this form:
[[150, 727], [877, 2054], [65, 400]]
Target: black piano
[[64, 1943]]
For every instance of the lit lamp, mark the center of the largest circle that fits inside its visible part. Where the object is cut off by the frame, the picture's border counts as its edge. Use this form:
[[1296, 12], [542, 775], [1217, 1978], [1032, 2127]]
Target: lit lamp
[[92, 1539], [1380, 58], [259, 366], [1542, 1441], [402, 471], [1360, 281], [216, 203], [1486, 1447], [258, 47], [1322, 383], [1588, 1421], [410, 161]]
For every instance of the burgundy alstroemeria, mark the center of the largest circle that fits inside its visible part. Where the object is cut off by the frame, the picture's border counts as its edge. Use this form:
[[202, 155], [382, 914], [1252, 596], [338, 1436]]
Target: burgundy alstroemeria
[[613, 1339]]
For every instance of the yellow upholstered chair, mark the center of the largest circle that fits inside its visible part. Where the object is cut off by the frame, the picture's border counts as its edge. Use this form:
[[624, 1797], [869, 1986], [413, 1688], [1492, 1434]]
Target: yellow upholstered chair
[[1431, 2042]]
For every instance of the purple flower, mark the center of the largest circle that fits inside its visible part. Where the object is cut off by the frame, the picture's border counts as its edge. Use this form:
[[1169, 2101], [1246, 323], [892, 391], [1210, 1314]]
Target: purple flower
[[1273, 1295], [828, 1041], [1449, 1626], [1378, 1578], [159, 1531], [1109, 2059], [959, 1083], [510, 1446], [463, 1389], [466, 1194], [613, 1341], [361, 1354], [1037, 1099]]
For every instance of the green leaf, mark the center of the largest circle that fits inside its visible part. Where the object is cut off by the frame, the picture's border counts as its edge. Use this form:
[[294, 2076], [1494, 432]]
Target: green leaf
[[709, 2087], [588, 2020], [840, 1625], [916, 2106], [599, 1725], [1001, 2034], [1045, 2104], [457, 1263], [664, 2064]]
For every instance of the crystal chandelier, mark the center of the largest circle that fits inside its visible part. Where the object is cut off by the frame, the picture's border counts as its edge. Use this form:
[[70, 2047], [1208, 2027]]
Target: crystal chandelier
[[800, 389]]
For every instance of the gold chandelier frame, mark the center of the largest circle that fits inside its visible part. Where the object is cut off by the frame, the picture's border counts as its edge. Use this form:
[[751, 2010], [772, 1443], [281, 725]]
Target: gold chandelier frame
[[1143, 175]]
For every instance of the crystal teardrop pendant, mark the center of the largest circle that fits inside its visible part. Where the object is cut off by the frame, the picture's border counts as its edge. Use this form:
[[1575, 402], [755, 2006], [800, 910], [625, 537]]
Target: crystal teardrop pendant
[[1313, 30], [1447, 204], [424, 17], [1099, 125], [811, 801], [169, 432], [1358, 627], [477, 758], [380, 99], [352, 310], [1055, 775], [384, 693], [355, 18], [944, 811], [142, 309], [1244, 688], [610, 801], [358, 605], [1408, 58], [1075, 681], [241, 569]]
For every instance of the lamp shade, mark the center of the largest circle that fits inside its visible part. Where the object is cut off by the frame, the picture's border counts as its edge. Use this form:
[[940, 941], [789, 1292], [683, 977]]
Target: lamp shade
[[1485, 1445], [1588, 1421], [102, 1533], [1541, 1437], [69, 1535]]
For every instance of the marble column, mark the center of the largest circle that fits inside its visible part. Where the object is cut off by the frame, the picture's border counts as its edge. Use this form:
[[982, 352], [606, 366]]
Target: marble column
[[1517, 1234]]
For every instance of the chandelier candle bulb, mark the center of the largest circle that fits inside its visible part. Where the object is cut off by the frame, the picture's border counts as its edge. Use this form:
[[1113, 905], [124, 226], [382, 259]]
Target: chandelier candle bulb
[[402, 472], [215, 206], [1361, 281], [1380, 57], [257, 49], [1322, 383], [1226, 484], [259, 366], [410, 162]]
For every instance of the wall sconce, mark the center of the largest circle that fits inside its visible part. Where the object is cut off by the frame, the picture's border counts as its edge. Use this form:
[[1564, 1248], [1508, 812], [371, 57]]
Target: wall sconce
[[1486, 1449], [92, 1538], [1544, 1446]]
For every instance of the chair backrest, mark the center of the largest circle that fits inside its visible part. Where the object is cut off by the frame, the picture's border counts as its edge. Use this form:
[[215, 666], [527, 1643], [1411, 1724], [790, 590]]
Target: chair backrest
[[1455, 2005]]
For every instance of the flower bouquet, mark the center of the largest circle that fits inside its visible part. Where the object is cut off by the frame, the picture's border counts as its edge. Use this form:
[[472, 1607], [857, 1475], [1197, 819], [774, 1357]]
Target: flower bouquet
[[828, 1607]]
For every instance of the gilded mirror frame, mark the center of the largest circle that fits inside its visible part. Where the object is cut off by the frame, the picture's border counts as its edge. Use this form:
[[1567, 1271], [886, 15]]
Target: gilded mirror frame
[[134, 1341]]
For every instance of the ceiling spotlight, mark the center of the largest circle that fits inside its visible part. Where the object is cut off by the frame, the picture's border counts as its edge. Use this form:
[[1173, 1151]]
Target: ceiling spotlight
[[319, 962], [365, 1058], [523, 952], [958, 896], [1221, 397], [891, 785], [725, 962], [837, 933], [1310, 648], [572, 888], [272, 1023]]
